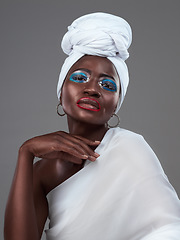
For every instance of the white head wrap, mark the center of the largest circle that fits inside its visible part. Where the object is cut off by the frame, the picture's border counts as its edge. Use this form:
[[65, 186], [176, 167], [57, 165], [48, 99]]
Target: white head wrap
[[99, 34]]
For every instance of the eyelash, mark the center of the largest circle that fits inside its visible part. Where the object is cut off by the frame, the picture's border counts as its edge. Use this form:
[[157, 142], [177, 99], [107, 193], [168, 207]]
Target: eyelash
[[79, 77], [106, 84]]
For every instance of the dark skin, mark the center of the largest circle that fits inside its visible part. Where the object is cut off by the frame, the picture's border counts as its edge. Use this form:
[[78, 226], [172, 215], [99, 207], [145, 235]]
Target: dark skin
[[63, 154]]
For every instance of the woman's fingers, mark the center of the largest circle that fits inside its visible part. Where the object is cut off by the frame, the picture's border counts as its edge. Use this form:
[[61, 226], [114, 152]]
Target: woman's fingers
[[87, 141], [63, 156], [74, 150], [82, 144], [83, 139], [70, 158], [55, 145], [80, 148]]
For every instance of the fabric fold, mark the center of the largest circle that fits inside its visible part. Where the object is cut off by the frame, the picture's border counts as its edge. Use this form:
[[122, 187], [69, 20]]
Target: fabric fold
[[98, 34], [125, 187]]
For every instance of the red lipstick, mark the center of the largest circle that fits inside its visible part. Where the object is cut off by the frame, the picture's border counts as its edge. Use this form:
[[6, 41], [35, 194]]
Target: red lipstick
[[88, 104]]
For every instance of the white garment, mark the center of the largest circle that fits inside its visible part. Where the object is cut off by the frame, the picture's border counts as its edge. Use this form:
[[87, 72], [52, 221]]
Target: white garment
[[123, 195], [98, 34]]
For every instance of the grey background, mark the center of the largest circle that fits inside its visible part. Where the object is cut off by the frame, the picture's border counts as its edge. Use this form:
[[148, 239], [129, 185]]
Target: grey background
[[30, 60]]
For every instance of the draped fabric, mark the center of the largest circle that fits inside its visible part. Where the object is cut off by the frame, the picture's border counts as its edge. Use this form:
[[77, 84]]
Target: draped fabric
[[123, 195], [99, 34]]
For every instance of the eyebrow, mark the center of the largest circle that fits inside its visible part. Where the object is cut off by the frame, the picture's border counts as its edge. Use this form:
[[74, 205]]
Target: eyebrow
[[108, 76], [83, 69], [101, 75]]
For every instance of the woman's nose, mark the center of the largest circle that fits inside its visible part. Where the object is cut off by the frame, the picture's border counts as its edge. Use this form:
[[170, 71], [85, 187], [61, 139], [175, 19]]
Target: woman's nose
[[92, 89]]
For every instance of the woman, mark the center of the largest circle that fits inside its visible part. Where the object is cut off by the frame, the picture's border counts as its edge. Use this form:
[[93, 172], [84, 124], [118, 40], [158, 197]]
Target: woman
[[94, 182]]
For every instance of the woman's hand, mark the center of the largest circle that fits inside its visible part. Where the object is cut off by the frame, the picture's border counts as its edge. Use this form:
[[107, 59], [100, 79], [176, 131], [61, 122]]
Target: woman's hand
[[61, 145]]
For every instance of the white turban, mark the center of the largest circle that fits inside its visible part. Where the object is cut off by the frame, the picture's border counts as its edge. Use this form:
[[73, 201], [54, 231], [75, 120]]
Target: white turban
[[99, 34]]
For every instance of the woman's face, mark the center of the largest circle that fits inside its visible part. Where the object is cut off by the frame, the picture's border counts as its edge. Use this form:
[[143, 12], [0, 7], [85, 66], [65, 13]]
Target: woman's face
[[91, 90]]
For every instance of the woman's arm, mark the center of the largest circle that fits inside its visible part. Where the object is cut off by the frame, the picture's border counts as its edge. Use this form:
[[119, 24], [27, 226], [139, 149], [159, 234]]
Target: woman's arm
[[27, 208], [20, 215]]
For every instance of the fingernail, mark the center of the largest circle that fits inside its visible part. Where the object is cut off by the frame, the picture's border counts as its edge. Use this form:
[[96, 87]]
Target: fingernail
[[97, 142], [91, 158], [85, 156], [96, 155]]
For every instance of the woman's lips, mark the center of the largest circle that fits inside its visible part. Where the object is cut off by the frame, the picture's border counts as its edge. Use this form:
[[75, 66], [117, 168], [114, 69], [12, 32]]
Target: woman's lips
[[89, 104]]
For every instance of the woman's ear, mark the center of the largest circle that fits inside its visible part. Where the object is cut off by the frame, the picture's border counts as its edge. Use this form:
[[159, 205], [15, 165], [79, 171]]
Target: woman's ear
[[115, 109], [60, 99]]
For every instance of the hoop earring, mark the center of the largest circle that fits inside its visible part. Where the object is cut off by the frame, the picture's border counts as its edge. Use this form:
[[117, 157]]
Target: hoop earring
[[118, 121], [57, 109]]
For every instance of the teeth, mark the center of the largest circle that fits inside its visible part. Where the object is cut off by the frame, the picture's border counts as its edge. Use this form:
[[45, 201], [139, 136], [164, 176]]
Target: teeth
[[88, 103]]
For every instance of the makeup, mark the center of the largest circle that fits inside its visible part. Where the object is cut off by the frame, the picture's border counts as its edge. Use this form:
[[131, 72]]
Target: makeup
[[88, 104], [79, 77], [82, 77], [108, 85]]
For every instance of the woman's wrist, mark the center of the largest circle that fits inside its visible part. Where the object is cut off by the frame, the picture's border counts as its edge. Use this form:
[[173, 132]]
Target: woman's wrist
[[25, 153]]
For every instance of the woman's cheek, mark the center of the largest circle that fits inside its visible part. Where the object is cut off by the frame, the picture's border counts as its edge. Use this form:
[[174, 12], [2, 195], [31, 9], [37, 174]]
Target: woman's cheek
[[69, 97]]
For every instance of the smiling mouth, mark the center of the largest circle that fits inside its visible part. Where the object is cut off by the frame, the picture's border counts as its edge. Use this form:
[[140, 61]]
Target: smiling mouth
[[89, 104]]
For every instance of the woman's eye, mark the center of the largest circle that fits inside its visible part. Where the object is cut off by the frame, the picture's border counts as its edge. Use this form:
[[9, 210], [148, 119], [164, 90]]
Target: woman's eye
[[79, 77], [109, 85]]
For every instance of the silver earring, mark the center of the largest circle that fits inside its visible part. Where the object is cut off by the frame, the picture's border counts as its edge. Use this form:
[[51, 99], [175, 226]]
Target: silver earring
[[57, 109], [117, 120]]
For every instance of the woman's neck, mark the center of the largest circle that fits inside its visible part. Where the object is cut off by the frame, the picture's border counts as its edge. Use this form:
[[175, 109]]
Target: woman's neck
[[90, 131]]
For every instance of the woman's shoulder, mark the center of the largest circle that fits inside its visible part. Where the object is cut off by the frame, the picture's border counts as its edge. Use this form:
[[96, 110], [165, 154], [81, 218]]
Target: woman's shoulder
[[124, 135], [130, 140], [120, 138], [45, 174], [135, 149], [50, 173]]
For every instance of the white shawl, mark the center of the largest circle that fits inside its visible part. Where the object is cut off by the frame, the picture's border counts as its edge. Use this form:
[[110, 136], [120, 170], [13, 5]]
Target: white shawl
[[124, 195]]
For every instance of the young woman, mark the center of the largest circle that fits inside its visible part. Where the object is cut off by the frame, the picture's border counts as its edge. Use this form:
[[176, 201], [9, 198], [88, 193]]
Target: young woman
[[95, 182]]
